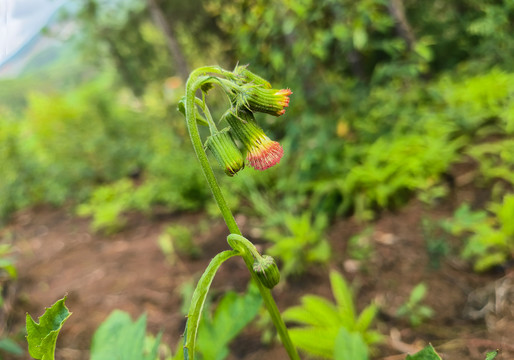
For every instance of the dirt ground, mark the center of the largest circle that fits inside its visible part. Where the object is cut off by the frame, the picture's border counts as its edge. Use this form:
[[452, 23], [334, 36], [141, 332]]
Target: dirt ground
[[57, 254]]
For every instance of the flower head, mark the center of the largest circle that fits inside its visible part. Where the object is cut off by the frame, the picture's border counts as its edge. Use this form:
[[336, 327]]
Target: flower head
[[262, 152], [261, 99], [226, 152]]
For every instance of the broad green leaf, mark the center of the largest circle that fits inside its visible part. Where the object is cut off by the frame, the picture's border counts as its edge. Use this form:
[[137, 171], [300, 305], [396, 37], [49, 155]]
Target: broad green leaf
[[315, 340], [198, 301], [350, 345], [118, 337], [428, 353], [42, 336], [315, 311]]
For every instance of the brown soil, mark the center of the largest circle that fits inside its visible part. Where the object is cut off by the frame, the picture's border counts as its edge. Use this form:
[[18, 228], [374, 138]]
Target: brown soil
[[58, 255]]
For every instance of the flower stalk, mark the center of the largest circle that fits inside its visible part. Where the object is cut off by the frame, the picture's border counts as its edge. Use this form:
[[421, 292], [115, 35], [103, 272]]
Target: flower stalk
[[197, 80]]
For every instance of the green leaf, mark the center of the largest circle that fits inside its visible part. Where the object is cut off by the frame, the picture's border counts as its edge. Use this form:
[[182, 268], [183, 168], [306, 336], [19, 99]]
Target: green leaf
[[315, 311], [343, 296], [198, 301], [418, 293], [315, 340], [366, 318], [119, 337], [233, 313], [491, 355], [428, 353], [42, 336], [10, 346], [350, 345], [8, 266]]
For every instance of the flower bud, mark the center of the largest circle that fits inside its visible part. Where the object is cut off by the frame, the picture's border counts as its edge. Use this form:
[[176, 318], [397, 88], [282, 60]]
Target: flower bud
[[225, 151], [262, 153], [267, 271], [260, 99]]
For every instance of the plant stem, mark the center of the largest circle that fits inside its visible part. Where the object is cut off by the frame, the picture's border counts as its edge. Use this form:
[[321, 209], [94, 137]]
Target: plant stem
[[191, 87]]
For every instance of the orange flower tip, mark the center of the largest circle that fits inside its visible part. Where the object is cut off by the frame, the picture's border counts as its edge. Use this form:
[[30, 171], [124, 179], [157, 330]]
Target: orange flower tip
[[265, 156], [281, 112], [285, 92]]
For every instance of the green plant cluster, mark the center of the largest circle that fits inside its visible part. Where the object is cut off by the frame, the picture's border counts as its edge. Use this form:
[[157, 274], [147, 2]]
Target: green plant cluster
[[328, 329], [489, 236], [106, 150]]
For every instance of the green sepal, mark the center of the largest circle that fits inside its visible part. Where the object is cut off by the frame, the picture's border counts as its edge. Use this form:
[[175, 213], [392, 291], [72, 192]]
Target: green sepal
[[267, 271], [42, 336]]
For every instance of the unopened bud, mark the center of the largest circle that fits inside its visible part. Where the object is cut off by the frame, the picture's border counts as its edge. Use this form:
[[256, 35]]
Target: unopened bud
[[260, 99], [225, 151], [262, 153], [267, 271]]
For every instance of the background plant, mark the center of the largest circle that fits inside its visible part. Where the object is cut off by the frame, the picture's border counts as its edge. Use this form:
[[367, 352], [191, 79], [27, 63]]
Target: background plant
[[333, 328], [413, 309], [488, 237]]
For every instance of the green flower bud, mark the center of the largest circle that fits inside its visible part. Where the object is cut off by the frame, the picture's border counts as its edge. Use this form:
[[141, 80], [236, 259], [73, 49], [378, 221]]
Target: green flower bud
[[257, 98], [226, 152], [267, 271]]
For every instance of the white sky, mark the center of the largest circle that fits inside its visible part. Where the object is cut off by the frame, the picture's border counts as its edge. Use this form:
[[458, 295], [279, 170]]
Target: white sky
[[20, 20]]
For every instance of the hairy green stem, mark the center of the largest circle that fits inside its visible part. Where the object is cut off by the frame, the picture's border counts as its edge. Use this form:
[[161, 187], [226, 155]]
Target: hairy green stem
[[191, 88]]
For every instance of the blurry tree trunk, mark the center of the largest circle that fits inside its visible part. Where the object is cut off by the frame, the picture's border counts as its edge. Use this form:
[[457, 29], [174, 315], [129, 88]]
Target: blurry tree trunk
[[397, 11], [126, 74], [169, 34]]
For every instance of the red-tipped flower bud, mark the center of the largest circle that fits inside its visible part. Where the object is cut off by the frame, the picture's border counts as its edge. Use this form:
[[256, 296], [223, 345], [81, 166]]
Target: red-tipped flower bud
[[226, 152], [267, 271], [262, 153]]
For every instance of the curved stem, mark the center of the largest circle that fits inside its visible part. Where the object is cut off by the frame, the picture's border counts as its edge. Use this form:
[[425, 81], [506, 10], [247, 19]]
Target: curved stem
[[200, 153], [191, 87]]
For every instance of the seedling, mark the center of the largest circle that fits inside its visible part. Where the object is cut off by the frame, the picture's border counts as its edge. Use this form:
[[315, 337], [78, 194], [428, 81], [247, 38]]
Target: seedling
[[413, 309]]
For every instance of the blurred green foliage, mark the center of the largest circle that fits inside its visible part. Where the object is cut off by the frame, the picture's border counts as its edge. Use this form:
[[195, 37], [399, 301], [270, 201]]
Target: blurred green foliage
[[489, 236], [322, 321], [413, 309], [387, 96]]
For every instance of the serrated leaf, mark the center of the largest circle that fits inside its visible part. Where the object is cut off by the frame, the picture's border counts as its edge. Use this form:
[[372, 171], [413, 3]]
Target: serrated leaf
[[42, 336], [350, 345], [428, 353]]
